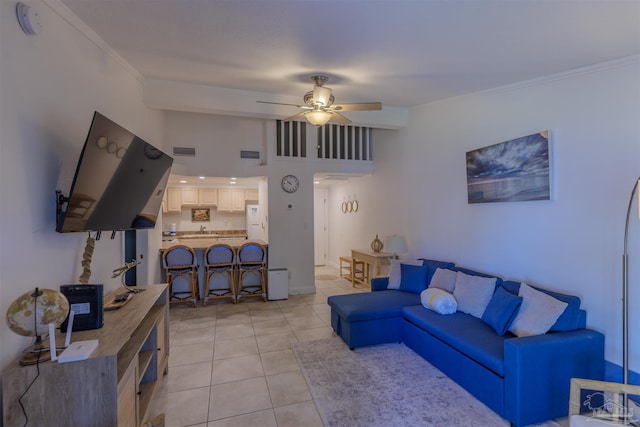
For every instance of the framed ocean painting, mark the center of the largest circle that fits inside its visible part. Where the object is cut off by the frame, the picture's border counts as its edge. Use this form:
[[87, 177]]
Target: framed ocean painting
[[512, 171]]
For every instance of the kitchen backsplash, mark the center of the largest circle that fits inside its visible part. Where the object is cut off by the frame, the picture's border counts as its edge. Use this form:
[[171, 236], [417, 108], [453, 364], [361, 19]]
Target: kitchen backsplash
[[218, 221]]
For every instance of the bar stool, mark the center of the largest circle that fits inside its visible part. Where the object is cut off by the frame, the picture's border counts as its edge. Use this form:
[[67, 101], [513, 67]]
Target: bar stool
[[181, 271], [252, 263], [219, 261]]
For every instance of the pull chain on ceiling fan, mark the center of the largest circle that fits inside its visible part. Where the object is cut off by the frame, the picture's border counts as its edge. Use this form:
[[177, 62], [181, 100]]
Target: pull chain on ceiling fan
[[320, 108]]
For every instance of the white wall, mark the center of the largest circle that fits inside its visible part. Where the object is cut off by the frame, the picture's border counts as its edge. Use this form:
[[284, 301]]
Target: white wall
[[50, 86], [572, 244]]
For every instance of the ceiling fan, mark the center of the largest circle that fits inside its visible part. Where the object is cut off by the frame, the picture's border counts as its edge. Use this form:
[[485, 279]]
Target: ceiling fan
[[320, 108]]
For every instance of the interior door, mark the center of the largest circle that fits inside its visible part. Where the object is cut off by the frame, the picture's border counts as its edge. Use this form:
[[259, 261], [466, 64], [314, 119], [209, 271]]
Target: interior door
[[320, 227]]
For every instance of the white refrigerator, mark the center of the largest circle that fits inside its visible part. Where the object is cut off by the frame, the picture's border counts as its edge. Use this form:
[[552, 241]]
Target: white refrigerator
[[253, 223]]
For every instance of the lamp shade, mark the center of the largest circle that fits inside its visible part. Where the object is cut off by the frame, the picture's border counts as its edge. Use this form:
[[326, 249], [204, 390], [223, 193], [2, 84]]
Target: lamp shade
[[395, 244], [318, 117]]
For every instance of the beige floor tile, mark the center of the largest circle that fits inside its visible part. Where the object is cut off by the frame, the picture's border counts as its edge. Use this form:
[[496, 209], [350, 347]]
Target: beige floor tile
[[184, 377], [200, 311], [262, 315], [308, 322], [234, 331], [193, 353], [188, 407], [321, 309], [314, 334], [193, 336], [275, 326], [236, 369], [287, 388], [277, 362], [191, 323], [274, 342], [237, 398], [233, 318], [235, 347], [297, 415], [301, 310], [264, 418]]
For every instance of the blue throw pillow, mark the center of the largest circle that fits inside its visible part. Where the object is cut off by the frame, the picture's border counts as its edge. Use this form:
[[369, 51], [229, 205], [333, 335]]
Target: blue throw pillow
[[501, 311], [413, 278]]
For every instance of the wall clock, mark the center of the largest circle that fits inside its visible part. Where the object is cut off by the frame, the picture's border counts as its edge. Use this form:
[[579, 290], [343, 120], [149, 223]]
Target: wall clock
[[290, 183]]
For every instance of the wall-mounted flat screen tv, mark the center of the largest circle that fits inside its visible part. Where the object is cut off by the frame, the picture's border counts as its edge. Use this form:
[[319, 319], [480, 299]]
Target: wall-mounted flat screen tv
[[118, 184]]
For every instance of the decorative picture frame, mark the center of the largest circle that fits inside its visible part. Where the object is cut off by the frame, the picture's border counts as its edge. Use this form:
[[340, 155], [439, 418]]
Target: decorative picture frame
[[200, 215], [511, 171]]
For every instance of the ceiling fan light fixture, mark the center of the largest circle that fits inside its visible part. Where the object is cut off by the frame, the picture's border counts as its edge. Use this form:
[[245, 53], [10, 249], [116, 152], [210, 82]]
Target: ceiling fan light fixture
[[321, 95], [318, 117]]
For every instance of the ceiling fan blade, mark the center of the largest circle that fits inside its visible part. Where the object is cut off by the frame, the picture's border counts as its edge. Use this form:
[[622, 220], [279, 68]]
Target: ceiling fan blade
[[280, 103], [339, 119], [357, 106], [295, 116]]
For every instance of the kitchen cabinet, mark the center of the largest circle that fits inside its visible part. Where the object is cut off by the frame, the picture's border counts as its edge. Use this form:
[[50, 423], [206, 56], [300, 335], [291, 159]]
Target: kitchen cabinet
[[251, 194], [208, 196], [174, 200], [189, 196], [230, 200]]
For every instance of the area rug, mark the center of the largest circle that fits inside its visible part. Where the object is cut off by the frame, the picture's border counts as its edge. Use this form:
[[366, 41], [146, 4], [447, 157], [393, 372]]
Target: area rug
[[386, 385]]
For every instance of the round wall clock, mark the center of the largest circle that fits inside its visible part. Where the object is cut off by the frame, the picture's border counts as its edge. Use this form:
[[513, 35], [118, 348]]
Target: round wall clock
[[290, 183]]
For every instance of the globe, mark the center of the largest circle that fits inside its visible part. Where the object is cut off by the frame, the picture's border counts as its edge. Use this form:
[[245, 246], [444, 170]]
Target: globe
[[31, 314]]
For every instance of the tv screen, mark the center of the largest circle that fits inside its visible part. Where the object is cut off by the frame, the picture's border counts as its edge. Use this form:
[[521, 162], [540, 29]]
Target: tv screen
[[119, 182]]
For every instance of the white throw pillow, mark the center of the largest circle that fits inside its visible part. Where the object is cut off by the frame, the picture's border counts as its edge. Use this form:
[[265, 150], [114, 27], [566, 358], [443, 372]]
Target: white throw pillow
[[395, 271], [473, 293], [444, 279], [538, 312], [439, 301]]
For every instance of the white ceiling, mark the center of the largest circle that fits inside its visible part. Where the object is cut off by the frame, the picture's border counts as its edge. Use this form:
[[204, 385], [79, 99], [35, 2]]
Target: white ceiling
[[402, 53]]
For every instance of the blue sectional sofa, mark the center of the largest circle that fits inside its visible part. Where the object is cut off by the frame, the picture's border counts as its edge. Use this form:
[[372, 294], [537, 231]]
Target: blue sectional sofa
[[523, 379]]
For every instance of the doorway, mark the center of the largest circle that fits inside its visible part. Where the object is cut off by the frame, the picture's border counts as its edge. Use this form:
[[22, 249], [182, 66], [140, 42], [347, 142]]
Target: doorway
[[320, 226]]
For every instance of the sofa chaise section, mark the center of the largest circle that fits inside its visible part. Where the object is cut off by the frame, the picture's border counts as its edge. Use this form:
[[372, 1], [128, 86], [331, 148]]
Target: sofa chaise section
[[523, 379]]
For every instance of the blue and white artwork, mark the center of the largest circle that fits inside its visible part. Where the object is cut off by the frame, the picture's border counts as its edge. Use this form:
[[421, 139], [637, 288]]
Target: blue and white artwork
[[511, 171]]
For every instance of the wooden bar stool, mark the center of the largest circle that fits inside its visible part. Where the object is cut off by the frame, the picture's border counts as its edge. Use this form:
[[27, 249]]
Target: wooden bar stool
[[181, 271], [252, 263], [219, 263]]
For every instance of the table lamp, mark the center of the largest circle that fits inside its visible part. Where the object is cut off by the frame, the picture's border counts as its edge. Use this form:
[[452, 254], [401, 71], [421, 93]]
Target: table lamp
[[395, 244]]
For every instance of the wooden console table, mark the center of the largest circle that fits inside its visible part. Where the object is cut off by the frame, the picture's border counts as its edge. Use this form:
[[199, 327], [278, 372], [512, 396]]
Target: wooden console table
[[373, 260], [114, 386]]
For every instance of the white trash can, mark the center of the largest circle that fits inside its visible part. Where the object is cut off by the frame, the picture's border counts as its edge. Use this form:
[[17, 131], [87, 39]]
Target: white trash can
[[277, 284]]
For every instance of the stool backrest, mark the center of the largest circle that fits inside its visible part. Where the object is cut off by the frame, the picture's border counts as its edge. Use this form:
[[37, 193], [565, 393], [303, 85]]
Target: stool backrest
[[179, 256], [219, 254], [252, 253]]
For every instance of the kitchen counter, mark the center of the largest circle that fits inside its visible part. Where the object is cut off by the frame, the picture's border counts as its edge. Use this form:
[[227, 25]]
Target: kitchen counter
[[203, 243]]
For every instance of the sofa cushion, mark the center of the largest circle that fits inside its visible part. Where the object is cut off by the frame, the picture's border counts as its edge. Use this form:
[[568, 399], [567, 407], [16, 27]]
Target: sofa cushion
[[467, 334], [538, 312], [444, 279], [501, 311], [570, 319], [432, 265], [395, 273], [413, 278], [372, 305], [473, 293]]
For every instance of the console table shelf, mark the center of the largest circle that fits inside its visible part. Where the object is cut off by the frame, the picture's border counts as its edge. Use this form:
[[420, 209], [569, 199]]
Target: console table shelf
[[114, 387]]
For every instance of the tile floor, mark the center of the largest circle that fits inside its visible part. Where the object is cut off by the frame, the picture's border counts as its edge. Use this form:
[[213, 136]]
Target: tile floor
[[231, 365]]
